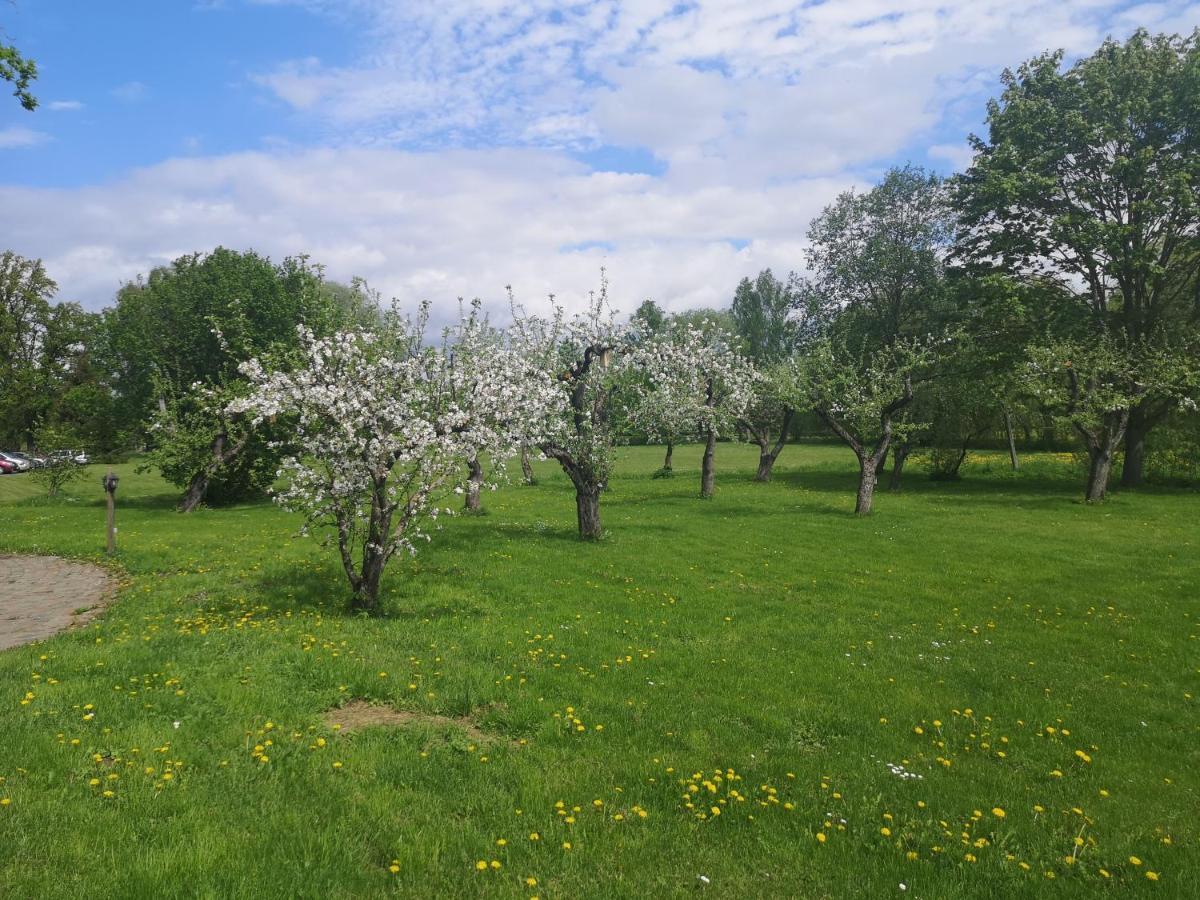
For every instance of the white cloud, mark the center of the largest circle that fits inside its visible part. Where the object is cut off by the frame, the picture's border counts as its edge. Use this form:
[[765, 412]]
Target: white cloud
[[64, 105], [423, 225], [760, 111], [17, 137], [130, 92], [959, 156], [771, 89]]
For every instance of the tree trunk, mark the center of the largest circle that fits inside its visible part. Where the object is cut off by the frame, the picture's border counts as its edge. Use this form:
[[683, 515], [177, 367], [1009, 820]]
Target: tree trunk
[[1012, 442], [1133, 468], [474, 484], [1101, 464], [587, 507], [1101, 447], [866, 485], [527, 467], [666, 466], [958, 462], [766, 462], [198, 486], [196, 489], [767, 455], [366, 594], [899, 458], [707, 472]]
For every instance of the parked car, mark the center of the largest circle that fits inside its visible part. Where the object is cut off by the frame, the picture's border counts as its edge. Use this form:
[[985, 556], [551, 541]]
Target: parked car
[[7, 468], [22, 465], [79, 457], [35, 462]]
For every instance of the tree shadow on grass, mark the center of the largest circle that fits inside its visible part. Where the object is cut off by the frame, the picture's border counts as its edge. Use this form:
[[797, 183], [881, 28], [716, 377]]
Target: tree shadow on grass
[[404, 594]]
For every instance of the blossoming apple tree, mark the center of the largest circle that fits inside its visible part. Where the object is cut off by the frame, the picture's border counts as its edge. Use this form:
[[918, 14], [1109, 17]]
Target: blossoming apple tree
[[382, 423], [695, 383], [576, 359]]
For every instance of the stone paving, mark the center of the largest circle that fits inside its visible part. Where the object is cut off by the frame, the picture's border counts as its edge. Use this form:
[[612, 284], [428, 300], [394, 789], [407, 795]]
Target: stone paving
[[43, 595]]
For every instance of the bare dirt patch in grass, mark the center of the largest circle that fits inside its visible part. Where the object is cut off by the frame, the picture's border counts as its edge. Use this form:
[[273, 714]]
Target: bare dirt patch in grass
[[359, 714]]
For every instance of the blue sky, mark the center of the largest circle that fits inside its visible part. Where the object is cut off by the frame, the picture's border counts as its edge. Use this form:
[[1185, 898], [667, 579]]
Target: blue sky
[[455, 148]]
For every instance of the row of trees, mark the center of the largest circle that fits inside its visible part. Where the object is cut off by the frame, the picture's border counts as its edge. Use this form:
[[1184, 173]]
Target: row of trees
[[1057, 281]]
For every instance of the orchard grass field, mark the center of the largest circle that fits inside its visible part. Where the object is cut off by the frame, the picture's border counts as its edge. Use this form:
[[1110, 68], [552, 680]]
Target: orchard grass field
[[983, 686]]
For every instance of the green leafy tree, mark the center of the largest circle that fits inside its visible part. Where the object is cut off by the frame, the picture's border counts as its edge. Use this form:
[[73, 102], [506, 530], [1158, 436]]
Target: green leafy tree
[[28, 366], [1088, 179], [649, 319], [1094, 381], [177, 340], [878, 262], [763, 314], [19, 71]]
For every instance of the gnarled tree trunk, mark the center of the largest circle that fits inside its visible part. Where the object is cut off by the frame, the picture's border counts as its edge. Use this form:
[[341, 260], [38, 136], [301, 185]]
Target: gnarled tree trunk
[[768, 454], [474, 484], [365, 581], [222, 454], [1102, 446], [587, 509], [866, 485], [527, 467], [666, 466]]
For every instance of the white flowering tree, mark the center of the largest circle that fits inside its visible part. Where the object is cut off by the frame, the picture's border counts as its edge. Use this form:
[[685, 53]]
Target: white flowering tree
[[576, 358], [482, 354], [695, 383], [859, 396], [382, 423]]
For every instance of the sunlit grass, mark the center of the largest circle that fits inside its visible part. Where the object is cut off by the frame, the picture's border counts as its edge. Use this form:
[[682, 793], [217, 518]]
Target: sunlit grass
[[985, 685]]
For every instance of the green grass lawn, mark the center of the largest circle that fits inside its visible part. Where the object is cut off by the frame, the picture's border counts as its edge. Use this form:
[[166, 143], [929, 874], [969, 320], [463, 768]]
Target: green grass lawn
[[983, 686]]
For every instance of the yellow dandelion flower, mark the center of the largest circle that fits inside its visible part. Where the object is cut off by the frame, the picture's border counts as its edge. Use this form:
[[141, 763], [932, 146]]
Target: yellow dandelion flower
[[998, 812], [1134, 861], [821, 838]]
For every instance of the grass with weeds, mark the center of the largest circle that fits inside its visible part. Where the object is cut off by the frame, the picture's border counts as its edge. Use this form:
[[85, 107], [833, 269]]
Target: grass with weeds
[[986, 688]]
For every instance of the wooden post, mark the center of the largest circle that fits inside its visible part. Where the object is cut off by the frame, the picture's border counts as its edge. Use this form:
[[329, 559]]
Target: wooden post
[[110, 493]]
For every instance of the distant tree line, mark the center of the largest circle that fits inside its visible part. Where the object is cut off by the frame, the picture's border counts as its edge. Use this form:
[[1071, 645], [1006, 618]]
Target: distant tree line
[[1049, 293]]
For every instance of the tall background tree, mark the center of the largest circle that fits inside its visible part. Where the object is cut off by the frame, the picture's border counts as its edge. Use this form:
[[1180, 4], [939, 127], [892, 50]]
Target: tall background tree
[[878, 264], [763, 312], [1088, 178], [43, 348], [176, 341]]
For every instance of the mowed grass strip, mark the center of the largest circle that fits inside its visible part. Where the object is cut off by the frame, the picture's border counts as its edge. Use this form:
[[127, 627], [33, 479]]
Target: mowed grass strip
[[985, 689]]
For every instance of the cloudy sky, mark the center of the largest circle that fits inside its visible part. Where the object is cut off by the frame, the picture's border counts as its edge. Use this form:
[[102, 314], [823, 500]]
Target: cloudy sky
[[452, 148]]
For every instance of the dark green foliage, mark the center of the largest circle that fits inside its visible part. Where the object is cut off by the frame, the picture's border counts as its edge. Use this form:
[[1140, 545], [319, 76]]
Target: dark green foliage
[[20, 71], [762, 316]]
